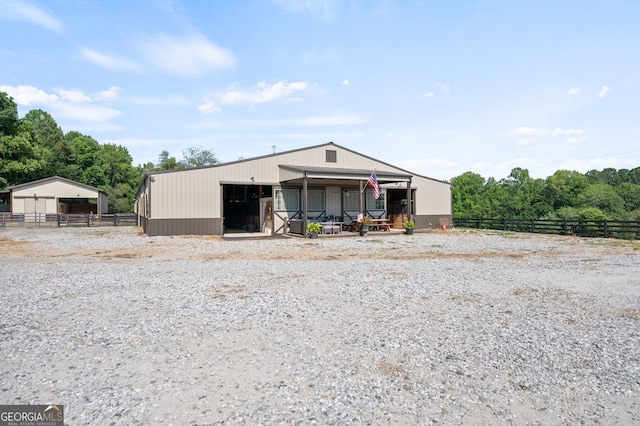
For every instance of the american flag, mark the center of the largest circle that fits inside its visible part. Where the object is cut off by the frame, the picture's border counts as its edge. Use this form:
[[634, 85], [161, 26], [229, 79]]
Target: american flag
[[373, 181]]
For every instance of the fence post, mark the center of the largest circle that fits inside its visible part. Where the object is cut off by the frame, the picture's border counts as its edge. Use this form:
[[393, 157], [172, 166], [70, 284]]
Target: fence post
[[479, 222], [21, 220], [58, 219], [504, 223], [88, 220], [606, 229], [533, 226], [115, 219], [3, 220], [564, 226]]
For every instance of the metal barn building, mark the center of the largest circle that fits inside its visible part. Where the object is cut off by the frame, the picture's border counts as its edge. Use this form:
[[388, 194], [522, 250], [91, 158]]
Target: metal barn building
[[280, 193], [51, 196]]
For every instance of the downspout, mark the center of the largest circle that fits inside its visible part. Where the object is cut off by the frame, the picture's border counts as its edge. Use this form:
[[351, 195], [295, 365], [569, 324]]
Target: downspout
[[409, 209], [361, 198], [304, 204]]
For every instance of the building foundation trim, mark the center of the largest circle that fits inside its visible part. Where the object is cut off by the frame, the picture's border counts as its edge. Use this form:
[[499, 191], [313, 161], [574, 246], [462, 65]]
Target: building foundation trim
[[190, 226]]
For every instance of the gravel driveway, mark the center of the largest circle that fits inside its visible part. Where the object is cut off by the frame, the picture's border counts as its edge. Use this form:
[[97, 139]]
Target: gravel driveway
[[462, 327]]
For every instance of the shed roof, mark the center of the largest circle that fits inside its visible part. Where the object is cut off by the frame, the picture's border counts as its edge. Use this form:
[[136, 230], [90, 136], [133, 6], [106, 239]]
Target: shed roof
[[349, 174], [55, 178]]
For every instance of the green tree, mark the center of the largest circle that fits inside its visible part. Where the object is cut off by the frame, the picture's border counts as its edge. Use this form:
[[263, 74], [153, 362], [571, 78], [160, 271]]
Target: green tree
[[121, 177], [165, 162], [523, 196], [630, 194], [20, 157], [603, 197], [121, 198], [8, 115], [117, 165], [86, 158], [467, 193], [50, 138], [564, 187], [591, 213], [564, 213], [198, 157]]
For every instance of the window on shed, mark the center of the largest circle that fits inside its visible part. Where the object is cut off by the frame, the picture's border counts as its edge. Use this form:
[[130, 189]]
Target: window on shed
[[351, 199], [287, 199], [372, 203], [316, 199], [332, 156]]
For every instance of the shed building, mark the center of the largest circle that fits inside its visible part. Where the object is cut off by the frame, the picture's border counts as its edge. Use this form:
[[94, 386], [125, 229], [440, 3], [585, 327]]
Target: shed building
[[50, 196], [279, 192]]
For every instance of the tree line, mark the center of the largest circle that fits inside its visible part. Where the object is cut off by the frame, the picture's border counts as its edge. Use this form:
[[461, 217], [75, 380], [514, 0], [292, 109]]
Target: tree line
[[35, 147], [596, 195]]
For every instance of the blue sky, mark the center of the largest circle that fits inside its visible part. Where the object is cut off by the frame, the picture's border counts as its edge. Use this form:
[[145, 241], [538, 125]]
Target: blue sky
[[435, 87]]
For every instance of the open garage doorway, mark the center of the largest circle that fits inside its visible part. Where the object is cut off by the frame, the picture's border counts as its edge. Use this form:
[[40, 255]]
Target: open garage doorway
[[241, 207], [78, 205], [397, 209]]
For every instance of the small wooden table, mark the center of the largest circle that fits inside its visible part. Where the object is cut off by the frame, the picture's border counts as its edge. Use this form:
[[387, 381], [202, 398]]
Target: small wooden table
[[380, 224]]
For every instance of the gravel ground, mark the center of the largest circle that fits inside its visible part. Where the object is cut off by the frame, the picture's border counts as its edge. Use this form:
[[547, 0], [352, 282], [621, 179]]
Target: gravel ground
[[455, 328]]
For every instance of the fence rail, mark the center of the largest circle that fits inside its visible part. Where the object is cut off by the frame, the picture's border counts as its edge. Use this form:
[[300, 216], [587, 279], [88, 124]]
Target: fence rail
[[35, 220], [583, 228]]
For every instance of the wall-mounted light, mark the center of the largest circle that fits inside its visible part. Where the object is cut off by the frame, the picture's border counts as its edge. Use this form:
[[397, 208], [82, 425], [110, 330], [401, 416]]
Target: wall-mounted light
[[252, 179]]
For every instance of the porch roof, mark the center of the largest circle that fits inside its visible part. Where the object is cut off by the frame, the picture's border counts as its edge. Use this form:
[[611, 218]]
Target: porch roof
[[296, 174]]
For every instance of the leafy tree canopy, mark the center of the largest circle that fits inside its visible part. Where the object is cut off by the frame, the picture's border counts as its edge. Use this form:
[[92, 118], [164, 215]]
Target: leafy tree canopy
[[607, 194]]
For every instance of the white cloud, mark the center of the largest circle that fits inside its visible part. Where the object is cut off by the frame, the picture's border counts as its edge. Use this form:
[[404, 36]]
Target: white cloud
[[71, 104], [185, 57], [263, 93], [428, 95], [75, 96], [90, 113], [530, 135], [22, 11], [578, 140], [527, 135], [442, 86], [29, 95], [604, 91], [110, 93], [567, 132], [341, 119], [574, 91], [345, 82], [110, 62], [208, 108]]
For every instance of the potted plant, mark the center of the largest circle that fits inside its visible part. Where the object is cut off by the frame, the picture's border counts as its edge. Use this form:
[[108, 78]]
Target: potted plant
[[408, 226], [313, 229], [364, 225]]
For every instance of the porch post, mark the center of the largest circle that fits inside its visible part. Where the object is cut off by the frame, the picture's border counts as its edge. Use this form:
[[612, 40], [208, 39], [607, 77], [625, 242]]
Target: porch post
[[409, 210], [361, 198], [304, 204]]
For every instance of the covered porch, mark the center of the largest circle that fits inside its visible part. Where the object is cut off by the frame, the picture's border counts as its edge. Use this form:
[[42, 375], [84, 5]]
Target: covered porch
[[337, 197]]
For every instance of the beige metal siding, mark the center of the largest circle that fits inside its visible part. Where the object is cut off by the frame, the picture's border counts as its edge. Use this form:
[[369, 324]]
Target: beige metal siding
[[196, 193], [54, 189], [432, 197]]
